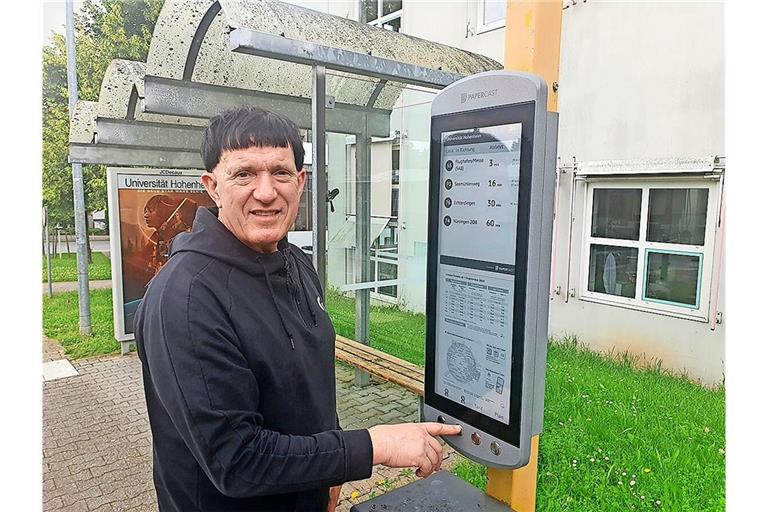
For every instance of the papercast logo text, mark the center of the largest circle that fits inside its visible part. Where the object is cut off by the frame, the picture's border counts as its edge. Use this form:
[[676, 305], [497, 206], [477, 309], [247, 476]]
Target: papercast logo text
[[477, 95]]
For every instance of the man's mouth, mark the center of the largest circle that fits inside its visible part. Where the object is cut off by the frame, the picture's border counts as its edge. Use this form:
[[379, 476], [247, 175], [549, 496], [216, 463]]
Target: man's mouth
[[265, 213]]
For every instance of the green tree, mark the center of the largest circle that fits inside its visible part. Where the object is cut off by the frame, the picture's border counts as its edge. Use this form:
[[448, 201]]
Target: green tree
[[104, 30]]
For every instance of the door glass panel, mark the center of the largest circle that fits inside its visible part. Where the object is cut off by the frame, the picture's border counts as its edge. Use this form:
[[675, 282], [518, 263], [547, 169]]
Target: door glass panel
[[387, 271]]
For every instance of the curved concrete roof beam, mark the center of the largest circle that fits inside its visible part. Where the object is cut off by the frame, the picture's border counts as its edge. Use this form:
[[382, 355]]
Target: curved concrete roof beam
[[191, 41]]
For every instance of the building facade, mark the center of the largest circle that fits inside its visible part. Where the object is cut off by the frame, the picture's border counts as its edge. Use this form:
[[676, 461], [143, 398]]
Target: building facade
[[638, 232]]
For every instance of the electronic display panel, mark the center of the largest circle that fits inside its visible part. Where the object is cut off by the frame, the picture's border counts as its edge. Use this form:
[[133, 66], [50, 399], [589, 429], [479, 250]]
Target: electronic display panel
[[479, 205]]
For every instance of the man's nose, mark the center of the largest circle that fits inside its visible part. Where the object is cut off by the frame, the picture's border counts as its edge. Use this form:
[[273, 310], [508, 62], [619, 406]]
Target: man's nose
[[264, 189]]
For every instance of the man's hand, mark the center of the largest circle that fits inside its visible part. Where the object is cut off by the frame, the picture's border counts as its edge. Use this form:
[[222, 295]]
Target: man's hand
[[410, 445], [333, 498]]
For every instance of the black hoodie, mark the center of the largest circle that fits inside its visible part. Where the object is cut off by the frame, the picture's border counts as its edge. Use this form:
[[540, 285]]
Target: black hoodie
[[238, 360]]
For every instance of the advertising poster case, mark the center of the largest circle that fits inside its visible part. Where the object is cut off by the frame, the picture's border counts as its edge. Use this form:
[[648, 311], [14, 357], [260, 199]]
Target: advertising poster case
[[147, 209]]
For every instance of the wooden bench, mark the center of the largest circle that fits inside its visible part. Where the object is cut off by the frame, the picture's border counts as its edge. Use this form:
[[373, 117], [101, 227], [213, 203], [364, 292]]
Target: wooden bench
[[382, 365]]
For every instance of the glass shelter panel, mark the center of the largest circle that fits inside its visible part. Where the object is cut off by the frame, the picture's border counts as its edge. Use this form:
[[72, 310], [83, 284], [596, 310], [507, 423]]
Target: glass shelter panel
[[397, 227]]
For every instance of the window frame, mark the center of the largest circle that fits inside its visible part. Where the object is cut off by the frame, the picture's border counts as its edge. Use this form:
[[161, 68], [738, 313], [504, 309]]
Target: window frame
[[387, 255], [481, 27], [705, 252], [382, 19]]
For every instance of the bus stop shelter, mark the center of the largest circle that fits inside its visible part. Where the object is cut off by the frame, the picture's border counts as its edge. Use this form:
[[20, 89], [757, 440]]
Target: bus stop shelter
[[326, 73]]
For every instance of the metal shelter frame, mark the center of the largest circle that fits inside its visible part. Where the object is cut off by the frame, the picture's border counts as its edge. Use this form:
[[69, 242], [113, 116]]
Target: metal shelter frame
[[175, 143]]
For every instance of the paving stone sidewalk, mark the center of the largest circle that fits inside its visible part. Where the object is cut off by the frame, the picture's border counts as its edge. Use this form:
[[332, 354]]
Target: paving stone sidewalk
[[97, 443]]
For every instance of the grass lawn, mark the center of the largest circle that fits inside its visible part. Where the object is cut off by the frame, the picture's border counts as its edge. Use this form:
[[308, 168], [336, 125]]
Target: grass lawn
[[64, 268], [615, 438], [61, 322], [396, 332]]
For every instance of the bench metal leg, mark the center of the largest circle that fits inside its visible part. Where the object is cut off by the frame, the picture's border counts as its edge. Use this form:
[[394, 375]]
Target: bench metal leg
[[125, 347]]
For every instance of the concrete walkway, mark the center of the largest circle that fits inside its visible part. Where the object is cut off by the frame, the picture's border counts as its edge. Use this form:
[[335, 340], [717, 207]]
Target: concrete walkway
[[97, 447], [71, 286]]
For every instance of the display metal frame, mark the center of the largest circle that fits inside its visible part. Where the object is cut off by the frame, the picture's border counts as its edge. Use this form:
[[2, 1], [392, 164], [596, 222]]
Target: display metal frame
[[524, 114], [510, 93]]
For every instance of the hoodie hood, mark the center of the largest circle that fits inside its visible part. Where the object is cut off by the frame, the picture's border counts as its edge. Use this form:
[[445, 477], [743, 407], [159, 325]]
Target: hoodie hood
[[211, 238]]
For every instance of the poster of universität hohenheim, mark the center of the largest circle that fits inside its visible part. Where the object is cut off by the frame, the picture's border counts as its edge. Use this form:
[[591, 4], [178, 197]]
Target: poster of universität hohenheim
[[147, 209]]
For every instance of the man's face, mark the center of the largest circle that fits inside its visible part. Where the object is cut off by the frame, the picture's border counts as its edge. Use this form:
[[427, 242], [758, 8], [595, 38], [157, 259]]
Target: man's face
[[257, 191]]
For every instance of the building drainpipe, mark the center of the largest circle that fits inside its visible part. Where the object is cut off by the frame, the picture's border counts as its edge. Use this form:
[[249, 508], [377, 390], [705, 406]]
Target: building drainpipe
[[531, 44]]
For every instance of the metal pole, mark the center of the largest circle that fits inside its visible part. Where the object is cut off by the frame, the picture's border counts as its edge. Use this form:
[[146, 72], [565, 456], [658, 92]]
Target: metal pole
[[47, 251], [363, 243], [84, 298], [320, 178]]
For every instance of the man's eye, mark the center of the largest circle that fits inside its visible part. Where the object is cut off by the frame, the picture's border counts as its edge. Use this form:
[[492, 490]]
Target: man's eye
[[242, 174]]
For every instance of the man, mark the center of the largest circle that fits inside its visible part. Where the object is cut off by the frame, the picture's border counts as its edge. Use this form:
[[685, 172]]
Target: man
[[238, 352]]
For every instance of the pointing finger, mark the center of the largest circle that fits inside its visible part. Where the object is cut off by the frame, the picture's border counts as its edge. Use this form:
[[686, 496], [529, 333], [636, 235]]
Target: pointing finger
[[440, 429]]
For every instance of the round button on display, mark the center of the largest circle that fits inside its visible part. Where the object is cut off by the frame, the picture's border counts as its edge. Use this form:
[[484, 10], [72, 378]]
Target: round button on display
[[495, 448], [476, 438]]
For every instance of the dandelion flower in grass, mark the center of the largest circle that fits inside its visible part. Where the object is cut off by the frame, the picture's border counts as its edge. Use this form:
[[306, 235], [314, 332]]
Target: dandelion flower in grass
[[646, 470]]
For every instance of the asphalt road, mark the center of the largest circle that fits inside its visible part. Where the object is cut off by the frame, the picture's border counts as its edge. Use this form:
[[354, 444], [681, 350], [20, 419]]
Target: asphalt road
[[96, 246]]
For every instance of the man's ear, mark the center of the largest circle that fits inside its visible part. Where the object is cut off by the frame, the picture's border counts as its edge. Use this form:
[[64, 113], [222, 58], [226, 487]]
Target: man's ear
[[210, 184], [302, 177]]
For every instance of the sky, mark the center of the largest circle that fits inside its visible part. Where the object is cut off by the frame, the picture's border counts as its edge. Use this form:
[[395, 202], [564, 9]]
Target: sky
[[54, 17]]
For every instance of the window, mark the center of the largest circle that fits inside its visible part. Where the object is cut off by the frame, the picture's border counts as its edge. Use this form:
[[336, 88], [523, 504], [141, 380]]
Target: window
[[395, 205], [650, 245], [384, 261], [386, 14], [304, 215], [491, 14]]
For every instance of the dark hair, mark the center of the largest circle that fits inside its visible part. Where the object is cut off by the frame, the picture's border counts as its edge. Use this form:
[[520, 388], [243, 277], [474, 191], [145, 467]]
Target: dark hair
[[248, 127]]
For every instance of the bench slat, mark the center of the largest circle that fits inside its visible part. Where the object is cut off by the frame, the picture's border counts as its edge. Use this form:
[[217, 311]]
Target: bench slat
[[381, 364]]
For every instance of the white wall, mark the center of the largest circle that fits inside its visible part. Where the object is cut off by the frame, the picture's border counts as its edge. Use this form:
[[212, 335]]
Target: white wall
[[637, 80], [641, 79], [453, 23]]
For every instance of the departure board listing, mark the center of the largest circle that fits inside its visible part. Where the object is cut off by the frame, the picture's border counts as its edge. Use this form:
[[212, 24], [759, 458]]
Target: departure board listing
[[480, 177]]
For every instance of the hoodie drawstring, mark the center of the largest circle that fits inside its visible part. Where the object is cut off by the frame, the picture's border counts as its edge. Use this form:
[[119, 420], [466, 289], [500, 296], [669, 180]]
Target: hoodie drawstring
[[274, 301]]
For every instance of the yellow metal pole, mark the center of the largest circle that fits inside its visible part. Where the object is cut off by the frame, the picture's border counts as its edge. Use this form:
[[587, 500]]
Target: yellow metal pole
[[532, 41], [531, 44]]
